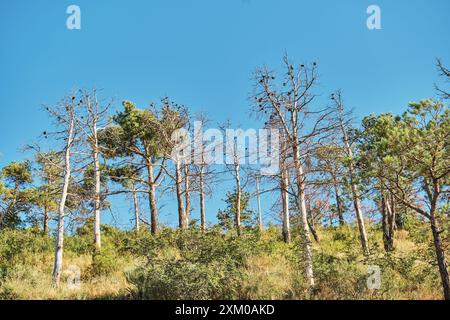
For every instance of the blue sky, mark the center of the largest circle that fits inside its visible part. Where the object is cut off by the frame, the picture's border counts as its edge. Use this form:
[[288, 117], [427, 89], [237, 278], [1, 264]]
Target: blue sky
[[201, 53]]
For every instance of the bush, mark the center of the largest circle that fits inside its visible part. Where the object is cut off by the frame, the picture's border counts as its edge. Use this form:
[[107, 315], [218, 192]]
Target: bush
[[22, 246], [104, 262]]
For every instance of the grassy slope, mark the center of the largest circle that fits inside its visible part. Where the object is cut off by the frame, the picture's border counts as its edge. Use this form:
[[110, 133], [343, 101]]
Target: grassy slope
[[274, 273]]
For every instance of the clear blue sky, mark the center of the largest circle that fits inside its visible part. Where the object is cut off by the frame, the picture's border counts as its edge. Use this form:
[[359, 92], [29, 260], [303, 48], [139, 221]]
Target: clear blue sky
[[202, 52]]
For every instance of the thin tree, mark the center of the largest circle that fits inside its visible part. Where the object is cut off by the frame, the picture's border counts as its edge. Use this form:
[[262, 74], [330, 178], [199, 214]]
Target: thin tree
[[65, 116], [343, 123], [291, 106]]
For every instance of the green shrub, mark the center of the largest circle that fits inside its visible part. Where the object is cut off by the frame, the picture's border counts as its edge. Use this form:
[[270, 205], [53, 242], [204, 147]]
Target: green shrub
[[104, 262], [22, 246]]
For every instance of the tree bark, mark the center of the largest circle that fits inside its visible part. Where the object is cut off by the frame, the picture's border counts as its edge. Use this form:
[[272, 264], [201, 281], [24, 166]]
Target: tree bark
[[437, 239], [136, 209], [355, 194], [45, 229], [258, 199], [337, 195], [57, 268], [182, 221], [152, 198], [97, 200], [301, 204], [202, 200], [238, 198], [187, 193], [440, 255], [285, 205]]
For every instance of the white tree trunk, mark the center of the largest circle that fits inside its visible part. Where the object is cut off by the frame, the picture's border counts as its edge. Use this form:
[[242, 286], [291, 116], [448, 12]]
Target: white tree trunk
[[136, 209], [301, 204], [285, 206], [97, 200], [238, 197], [182, 221], [202, 200], [357, 204], [355, 193], [57, 269], [187, 193], [258, 196]]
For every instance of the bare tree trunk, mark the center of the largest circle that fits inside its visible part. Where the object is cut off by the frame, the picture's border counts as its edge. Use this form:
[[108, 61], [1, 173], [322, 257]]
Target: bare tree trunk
[[238, 198], [187, 193], [57, 269], [45, 231], [97, 203], [152, 199], [182, 221], [311, 222], [136, 209], [355, 194], [258, 199], [359, 216], [337, 194], [285, 205], [301, 204], [202, 200]]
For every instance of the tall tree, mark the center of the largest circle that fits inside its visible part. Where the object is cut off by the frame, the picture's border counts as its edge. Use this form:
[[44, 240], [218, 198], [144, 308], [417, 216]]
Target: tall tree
[[411, 154], [66, 119], [352, 176], [134, 136], [95, 116], [291, 105]]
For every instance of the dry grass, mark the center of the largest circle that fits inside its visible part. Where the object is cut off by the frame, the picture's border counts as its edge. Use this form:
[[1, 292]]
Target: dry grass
[[35, 283]]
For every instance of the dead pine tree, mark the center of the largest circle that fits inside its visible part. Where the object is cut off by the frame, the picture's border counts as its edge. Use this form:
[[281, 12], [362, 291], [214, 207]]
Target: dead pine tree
[[95, 116], [66, 119], [291, 104], [343, 124]]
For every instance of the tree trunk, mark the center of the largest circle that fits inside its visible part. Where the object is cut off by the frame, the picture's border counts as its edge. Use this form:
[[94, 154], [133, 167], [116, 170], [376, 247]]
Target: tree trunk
[[311, 222], [440, 255], [187, 193], [136, 209], [202, 201], [285, 205], [238, 198], [258, 199], [97, 201], [385, 223], [45, 229], [355, 194], [57, 269], [357, 204], [360, 220], [301, 204], [437, 239], [337, 194], [152, 198], [182, 221]]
